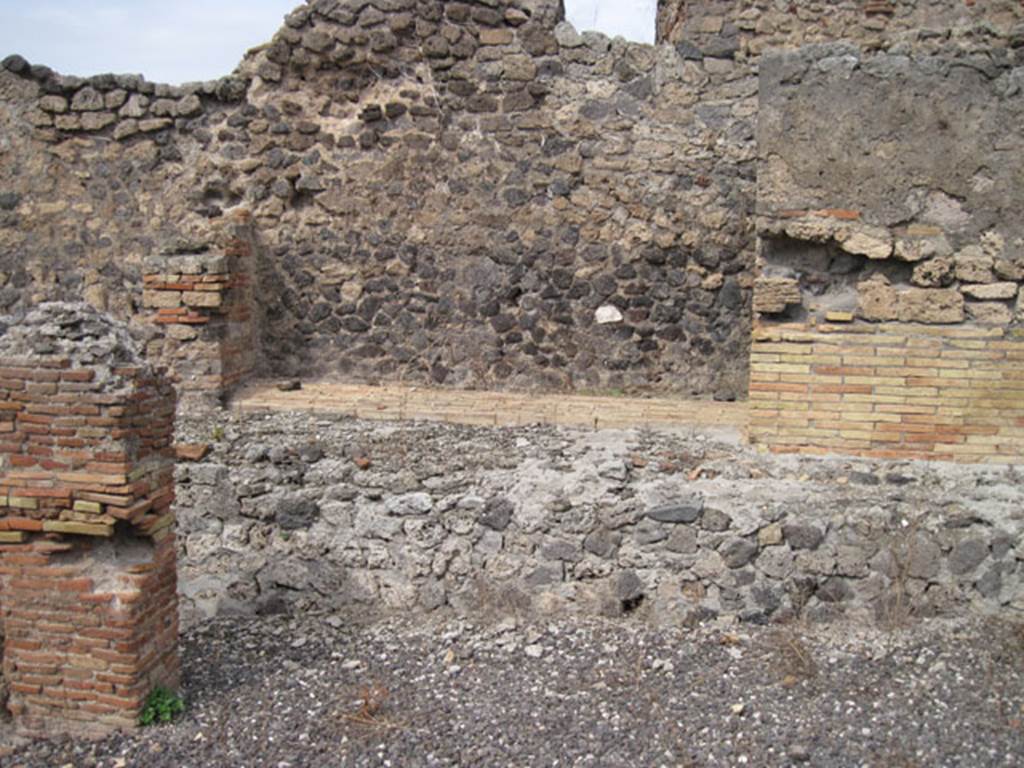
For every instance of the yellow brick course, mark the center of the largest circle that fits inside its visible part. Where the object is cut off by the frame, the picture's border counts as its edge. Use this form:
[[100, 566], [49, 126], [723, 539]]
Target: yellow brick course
[[890, 390]]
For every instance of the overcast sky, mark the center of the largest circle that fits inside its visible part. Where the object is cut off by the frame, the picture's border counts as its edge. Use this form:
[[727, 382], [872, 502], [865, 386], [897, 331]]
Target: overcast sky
[[175, 41]]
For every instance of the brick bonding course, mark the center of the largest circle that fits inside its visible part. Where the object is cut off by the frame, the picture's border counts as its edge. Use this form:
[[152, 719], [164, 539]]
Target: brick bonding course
[[87, 564]]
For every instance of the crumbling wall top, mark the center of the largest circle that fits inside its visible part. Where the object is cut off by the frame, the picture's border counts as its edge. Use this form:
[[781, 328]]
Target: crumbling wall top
[[76, 332]]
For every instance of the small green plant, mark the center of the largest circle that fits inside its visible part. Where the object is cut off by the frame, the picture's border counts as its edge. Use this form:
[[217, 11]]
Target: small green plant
[[162, 706], [217, 434]]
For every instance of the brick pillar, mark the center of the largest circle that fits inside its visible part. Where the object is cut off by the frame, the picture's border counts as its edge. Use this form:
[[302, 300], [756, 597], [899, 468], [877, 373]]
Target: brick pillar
[[87, 553], [203, 302]]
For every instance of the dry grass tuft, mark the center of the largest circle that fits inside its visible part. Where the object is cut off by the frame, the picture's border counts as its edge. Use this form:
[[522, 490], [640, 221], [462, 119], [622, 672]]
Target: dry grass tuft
[[793, 658], [372, 698]]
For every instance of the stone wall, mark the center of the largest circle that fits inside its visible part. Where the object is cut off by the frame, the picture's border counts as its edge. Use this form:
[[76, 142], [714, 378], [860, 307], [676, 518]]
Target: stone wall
[[467, 193], [889, 299], [87, 551], [462, 193], [744, 29], [300, 511]]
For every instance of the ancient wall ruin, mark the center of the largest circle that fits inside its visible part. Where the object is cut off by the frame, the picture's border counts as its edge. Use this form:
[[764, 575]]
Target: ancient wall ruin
[[458, 193], [87, 552], [475, 194]]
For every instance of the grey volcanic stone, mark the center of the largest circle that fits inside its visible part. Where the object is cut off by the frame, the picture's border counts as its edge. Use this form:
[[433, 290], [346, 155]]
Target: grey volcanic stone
[[409, 504], [803, 536], [967, 556], [544, 575], [923, 557], [16, 64], [497, 513], [683, 510], [628, 586], [991, 582], [560, 550], [602, 543], [431, 595], [715, 520], [738, 552], [682, 540], [834, 590], [295, 512], [649, 532], [311, 453]]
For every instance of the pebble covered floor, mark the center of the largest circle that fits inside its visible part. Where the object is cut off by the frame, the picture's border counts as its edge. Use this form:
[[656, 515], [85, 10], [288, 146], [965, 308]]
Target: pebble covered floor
[[322, 691]]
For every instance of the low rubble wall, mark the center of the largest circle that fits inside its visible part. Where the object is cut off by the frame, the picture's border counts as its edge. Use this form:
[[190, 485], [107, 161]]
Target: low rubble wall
[[293, 511]]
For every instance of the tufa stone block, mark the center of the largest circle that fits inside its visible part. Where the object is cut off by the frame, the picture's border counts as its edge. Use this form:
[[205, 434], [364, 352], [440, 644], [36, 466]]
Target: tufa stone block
[[990, 291], [989, 313], [879, 302], [161, 299], [496, 36], [205, 299], [973, 265], [772, 295]]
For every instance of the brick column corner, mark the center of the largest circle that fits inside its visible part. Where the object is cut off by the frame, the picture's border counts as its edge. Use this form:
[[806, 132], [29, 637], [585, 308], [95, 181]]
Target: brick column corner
[[203, 303], [88, 585]]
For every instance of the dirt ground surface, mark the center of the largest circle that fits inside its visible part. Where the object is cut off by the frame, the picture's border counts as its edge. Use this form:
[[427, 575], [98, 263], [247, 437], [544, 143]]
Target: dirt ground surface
[[320, 690]]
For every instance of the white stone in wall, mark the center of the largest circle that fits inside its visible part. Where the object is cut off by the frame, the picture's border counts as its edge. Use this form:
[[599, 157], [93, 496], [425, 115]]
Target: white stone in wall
[[607, 314]]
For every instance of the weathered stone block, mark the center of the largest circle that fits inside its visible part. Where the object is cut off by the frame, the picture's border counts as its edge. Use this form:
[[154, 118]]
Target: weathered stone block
[[88, 99], [602, 543], [136, 106], [155, 124], [206, 299], [738, 552], [973, 265], [989, 312], [68, 122], [879, 301], [190, 106], [772, 295], [934, 273], [164, 108], [770, 535], [924, 305], [920, 248], [56, 104], [967, 555], [873, 242], [126, 129], [115, 99], [97, 121], [409, 504], [161, 299], [496, 36], [683, 510], [800, 536], [990, 291]]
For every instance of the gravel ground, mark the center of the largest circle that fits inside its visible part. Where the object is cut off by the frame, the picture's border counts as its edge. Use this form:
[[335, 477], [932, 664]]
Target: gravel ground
[[320, 691]]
